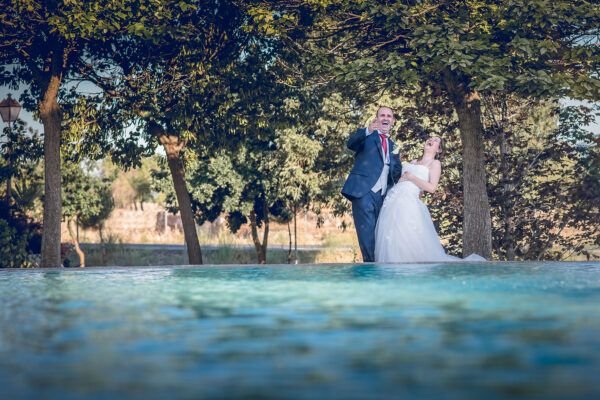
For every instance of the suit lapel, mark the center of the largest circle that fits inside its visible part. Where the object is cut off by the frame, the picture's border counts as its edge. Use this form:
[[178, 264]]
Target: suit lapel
[[379, 148]]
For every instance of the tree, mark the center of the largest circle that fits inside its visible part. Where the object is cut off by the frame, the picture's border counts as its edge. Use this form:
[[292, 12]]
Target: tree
[[47, 44], [545, 192], [540, 160], [173, 89], [87, 200], [262, 165], [299, 182], [261, 180], [462, 50], [134, 186]]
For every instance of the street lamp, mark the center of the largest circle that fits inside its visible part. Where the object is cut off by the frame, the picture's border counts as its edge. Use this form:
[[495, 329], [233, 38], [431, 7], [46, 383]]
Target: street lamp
[[9, 109]]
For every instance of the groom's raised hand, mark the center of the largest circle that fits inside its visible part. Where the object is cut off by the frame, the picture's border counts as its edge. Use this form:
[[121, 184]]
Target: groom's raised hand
[[375, 125]]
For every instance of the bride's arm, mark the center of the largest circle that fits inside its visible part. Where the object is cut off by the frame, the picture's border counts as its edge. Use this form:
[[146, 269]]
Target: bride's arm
[[435, 171]]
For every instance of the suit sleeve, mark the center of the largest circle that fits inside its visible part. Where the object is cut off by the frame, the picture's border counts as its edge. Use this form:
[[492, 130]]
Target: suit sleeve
[[396, 167], [356, 141]]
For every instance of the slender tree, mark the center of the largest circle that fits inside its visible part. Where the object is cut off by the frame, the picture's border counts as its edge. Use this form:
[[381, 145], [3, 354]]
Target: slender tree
[[87, 200], [263, 160], [172, 89]]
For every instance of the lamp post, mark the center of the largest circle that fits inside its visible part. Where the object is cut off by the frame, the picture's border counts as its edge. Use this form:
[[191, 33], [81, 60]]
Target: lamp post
[[9, 109]]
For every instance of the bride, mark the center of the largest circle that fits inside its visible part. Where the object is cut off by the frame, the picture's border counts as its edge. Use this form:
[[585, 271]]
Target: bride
[[405, 231]]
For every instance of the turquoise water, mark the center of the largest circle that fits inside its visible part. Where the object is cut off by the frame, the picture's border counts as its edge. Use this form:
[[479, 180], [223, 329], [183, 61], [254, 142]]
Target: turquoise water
[[435, 331]]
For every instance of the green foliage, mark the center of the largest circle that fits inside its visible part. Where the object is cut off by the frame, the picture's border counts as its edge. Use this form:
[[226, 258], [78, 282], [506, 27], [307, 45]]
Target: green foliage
[[21, 153], [174, 79], [467, 50], [82, 35], [20, 238], [133, 187], [265, 161], [45, 44], [230, 79], [533, 48], [546, 186], [13, 247], [141, 182], [543, 169], [86, 198], [19, 234]]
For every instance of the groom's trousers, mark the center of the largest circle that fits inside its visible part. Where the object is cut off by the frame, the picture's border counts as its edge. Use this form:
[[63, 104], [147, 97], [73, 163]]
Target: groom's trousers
[[365, 211]]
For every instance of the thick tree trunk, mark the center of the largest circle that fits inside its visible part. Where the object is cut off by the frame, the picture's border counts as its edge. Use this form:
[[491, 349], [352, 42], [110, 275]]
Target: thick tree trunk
[[173, 146], [75, 240], [477, 225], [51, 116]]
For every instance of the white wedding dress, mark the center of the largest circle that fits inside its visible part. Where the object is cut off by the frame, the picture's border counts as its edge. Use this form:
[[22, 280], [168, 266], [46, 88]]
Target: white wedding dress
[[405, 231]]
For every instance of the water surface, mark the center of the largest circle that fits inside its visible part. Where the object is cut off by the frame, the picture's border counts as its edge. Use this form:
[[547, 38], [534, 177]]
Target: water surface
[[440, 331]]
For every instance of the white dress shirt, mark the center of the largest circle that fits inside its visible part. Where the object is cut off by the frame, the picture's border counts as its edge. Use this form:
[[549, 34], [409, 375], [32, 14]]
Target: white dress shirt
[[381, 183]]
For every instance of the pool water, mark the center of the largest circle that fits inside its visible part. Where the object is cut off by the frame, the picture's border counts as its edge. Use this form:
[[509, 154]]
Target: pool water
[[438, 331]]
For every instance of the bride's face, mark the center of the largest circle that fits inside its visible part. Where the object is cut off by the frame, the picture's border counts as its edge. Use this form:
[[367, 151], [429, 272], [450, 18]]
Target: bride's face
[[433, 144]]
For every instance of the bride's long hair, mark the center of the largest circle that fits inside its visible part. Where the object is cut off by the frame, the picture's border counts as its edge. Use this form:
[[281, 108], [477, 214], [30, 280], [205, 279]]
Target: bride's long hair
[[440, 153]]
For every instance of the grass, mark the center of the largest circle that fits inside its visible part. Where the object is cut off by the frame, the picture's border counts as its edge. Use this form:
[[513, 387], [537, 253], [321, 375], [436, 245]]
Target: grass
[[122, 255]]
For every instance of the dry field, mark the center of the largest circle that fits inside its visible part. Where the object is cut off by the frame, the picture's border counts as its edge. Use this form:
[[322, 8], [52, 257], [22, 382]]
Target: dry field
[[151, 226], [325, 244]]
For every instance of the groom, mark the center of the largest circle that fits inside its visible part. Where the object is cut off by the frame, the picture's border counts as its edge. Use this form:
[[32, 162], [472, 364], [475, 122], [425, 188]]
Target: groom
[[375, 170]]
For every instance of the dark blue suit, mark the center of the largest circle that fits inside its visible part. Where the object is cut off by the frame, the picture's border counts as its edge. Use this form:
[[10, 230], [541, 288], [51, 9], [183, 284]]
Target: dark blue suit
[[366, 204]]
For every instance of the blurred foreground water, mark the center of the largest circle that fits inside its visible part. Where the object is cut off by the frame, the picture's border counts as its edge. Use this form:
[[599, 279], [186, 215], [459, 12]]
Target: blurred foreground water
[[367, 331]]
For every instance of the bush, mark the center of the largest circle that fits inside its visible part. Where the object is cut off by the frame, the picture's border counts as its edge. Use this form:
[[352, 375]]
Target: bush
[[20, 239], [14, 247]]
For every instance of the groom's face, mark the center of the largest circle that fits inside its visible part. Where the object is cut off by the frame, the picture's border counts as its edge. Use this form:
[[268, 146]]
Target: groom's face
[[385, 116]]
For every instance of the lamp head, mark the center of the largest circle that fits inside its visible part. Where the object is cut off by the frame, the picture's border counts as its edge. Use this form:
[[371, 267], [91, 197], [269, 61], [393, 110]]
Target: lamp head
[[9, 109]]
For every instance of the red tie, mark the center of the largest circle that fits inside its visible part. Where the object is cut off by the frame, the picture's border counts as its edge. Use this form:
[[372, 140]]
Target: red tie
[[383, 144]]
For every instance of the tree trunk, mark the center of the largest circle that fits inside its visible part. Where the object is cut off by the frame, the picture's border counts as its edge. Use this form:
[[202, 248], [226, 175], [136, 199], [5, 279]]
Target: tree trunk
[[295, 234], [75, 240], [104, 255], [507, 201], [265, 234], [173, 146], [9, 179], [289, 257], [51, 116], [477, 224], [261, 249]]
